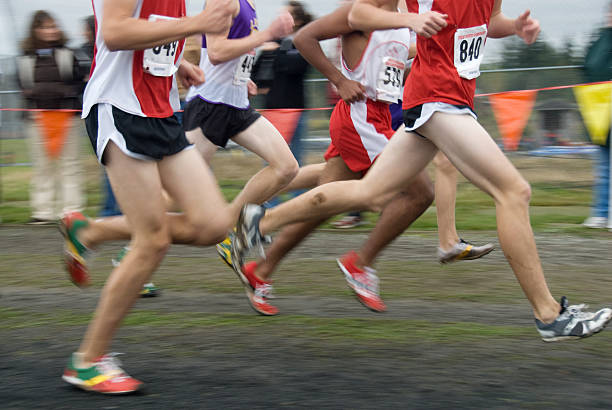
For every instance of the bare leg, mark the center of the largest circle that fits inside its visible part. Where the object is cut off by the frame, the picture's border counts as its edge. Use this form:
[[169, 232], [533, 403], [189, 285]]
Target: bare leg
[[205, 219], [389, 174], [138, 187], [307, 177], [263, 139], [470, 148], [446, 195], [396, 217], [290, 236]]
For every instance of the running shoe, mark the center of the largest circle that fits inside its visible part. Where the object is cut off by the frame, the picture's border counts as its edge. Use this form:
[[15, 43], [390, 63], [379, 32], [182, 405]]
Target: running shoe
[[363, 282], [224, 249], [463, 251], [595, 222], [116, 261], [257, 290], [348, 222], [149, 290], [247, 235], [104, 376], [74, 251], [573, 323]]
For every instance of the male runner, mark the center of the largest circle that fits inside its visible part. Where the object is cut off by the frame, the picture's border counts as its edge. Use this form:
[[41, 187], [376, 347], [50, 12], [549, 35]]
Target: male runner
[[372, 72], [438, 98], [219, 109], [128, 110]]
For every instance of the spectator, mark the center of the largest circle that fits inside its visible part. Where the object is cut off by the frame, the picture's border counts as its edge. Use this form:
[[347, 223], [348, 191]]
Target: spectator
[[50, 78], [280, 71], [598, 67]]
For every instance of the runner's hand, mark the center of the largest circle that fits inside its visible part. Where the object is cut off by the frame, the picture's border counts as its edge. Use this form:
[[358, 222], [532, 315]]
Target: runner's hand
[[282, 26], [351, 91], [252, 88], [527, 28], [190, 74], [428, 24], [216, 18]]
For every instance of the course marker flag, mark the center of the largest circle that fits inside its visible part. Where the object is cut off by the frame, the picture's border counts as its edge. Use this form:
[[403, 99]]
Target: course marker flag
[[284, 120], [512, 110], [594, 103], [54, 127]]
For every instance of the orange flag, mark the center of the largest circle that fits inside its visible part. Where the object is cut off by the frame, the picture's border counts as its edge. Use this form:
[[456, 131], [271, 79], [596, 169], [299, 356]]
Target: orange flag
[[512, 110], [285, 121], [54, 126]]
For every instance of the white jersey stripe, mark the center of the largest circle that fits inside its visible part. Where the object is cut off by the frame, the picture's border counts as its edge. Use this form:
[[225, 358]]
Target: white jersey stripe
[[373, 141]]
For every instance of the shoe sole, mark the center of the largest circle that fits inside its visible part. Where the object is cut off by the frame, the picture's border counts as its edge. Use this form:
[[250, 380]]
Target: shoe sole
[[250, 295], [346, 276], [564, 338], [221, 253], [456, 258], [75, 382], [68, 257]]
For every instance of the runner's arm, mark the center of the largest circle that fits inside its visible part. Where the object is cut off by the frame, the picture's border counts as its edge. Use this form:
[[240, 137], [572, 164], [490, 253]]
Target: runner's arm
[[221, 49], [501, 26], [307, 42], [121, 31], [369, 15]]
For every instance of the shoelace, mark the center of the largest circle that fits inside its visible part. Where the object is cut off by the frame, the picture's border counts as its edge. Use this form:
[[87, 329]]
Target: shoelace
[[576, 311], [264, 290], [110, 365]]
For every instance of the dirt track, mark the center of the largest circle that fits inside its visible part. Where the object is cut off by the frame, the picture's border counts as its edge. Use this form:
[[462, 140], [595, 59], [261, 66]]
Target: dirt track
[[454, 337]]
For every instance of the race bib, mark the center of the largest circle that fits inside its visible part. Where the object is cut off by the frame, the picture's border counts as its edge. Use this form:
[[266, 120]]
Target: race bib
[[469, 47], [390, 78], [243, 69], [159, 61]]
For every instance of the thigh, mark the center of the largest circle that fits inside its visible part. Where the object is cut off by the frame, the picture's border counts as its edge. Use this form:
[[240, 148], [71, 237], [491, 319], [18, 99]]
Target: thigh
[[263, 139], [206, 148], [472, 151], [192, 185], [402, 160], [336, 170], [138, 190]]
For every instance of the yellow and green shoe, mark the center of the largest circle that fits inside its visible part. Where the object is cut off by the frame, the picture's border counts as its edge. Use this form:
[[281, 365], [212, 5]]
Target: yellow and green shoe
[[103, 376]]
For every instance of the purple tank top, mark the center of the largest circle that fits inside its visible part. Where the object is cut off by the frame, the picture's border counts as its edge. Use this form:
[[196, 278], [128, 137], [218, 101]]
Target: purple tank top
[[244, 23]]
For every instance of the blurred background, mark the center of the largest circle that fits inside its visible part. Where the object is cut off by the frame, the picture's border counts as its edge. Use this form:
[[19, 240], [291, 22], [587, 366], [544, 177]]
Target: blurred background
[[554, 147]]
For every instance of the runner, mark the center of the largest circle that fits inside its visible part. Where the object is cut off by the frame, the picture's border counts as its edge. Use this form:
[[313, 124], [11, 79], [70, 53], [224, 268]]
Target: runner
[[360, 127], [438, 101], [219, 110], [128, 110]]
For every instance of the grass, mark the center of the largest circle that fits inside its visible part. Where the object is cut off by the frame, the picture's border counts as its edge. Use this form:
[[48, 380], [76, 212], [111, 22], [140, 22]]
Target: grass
[[560, 200], [339, 329]]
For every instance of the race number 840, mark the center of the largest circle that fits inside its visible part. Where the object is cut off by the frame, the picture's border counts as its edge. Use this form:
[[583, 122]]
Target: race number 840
[[469, 47]]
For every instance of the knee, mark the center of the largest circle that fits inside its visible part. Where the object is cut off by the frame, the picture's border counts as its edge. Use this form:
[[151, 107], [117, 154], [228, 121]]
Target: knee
[[151, 247], [287, 171], [425, 196], [210, 231], [519, 194]]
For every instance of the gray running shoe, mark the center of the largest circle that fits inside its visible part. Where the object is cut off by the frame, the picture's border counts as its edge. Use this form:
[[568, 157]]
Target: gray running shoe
[[247, 234], [463, 251], [573, 323]]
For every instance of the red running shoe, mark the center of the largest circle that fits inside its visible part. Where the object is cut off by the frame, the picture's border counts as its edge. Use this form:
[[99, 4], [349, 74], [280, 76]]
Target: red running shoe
[[363, 282], [74, 251], [257, 290], [104, 376]]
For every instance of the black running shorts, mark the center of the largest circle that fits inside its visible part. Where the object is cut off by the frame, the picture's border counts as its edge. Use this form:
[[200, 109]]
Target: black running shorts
[[218, 122], [138, 137]]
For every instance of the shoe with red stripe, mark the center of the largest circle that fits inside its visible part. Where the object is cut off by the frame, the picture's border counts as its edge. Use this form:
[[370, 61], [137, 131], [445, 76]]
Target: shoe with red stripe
[[103, 376], [364, 282], [74, 251], [257, 290]]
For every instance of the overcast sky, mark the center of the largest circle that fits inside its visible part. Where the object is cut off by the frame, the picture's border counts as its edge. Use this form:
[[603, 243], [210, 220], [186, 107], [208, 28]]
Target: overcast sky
[[560, 19]]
